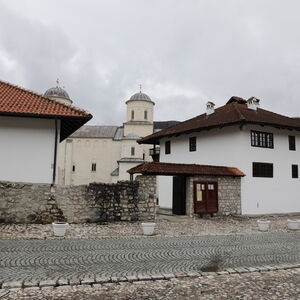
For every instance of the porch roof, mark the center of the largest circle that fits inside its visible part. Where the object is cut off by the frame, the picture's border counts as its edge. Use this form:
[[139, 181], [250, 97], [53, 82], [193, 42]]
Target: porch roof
[[160, 168]]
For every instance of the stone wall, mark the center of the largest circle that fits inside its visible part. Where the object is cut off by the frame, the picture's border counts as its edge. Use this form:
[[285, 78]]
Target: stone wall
[[96, 202], [229, 194]]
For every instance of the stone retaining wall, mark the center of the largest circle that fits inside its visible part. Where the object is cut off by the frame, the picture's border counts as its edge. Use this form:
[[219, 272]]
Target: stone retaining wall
[[229, 194], [96, 202]]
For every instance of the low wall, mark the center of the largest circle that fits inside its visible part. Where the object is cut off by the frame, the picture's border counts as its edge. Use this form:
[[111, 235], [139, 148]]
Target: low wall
[[229, 194], [96, 202]]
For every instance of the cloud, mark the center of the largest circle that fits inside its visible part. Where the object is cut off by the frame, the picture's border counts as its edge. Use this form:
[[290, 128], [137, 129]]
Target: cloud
[[183, 52]]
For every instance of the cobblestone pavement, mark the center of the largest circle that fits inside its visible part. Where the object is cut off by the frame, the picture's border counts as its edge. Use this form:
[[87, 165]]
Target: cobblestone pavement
[[75, 259], [282, 284], [166, 226]]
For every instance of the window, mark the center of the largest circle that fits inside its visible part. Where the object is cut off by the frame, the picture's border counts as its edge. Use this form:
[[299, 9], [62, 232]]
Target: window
[[73, 168], [143, 156], [292, 142], [145, 114], [167, 147], [294, 171], [193, 143], [132, 151], [262, 170], [93, 167], [132, 115], [261, 139]]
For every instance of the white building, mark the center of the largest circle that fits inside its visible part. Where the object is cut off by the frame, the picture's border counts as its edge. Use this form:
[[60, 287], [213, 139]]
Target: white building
[[264, 145], [105, 153], [31, 127]]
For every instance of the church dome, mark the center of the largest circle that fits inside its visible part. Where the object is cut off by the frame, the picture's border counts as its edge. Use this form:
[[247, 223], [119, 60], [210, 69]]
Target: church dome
[[140, 96], [57, 92]]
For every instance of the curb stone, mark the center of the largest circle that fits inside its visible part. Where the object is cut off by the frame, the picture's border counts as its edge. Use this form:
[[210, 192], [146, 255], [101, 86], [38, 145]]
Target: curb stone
[[65, 284]]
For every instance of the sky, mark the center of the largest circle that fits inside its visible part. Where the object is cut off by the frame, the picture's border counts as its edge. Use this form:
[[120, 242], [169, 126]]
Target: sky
[[184, 53]]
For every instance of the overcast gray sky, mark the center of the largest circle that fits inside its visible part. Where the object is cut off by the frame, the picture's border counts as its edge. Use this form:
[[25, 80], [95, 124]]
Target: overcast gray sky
[[184, 53]]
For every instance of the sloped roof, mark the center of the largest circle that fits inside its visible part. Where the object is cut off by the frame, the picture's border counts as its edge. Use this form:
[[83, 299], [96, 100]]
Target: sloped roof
[[234, 112], [160, 168], [17, 101], [94, 131]]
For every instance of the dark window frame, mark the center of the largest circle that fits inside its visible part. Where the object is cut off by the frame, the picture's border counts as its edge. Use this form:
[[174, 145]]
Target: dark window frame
[[132, 115], [94, 167], [73, 168], [193, 143], [262, 139], [292, 143], [167, 147], [132, 151], [145, 115], [261, 169], [295, 173]]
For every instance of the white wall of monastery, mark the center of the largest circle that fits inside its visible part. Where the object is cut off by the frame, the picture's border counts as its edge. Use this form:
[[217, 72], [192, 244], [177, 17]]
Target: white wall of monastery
[[82, 152], [27, 149], [231, 146]]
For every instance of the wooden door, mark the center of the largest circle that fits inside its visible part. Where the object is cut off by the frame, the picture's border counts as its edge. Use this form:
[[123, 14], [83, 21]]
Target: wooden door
[[179, 199], [205, 197]]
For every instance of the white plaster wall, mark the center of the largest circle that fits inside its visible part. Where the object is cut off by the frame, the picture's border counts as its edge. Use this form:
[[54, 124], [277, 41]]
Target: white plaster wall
[[27, 149], [165, 191], [139, 107], [82, 152], [232, 147]]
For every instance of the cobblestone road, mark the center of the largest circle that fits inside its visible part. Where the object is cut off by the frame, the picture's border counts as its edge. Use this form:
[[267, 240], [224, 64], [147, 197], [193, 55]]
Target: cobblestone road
[[73, 259]]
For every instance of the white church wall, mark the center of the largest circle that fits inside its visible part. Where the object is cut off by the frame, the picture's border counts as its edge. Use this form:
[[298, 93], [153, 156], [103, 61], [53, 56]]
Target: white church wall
[[27, 149], [82, 153]]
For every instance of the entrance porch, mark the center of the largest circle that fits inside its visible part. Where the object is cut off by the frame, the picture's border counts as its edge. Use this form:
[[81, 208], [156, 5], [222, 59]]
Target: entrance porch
[[190, 189]]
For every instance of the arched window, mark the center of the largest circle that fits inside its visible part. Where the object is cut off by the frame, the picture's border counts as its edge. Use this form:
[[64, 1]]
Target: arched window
[[145, 114], [132, 115]]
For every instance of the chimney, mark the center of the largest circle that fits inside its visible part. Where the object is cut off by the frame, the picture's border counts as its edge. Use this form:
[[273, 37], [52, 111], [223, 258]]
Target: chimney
[[253, 103], [210, 108]]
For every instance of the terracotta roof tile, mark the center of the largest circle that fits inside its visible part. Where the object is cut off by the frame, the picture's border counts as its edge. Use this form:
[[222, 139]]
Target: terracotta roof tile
[[14, 99], [160, 168], [17, 101], [234, 112]]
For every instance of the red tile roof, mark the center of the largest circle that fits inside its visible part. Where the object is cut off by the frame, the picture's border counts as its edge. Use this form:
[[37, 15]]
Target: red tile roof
[[160, 168], [234, 112], [17, 101], [14, 99]]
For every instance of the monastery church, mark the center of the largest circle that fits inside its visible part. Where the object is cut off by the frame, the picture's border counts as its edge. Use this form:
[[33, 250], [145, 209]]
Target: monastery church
[[105, 153]]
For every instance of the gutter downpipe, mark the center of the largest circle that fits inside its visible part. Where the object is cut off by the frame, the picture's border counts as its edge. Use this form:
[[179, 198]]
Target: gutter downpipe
[[55, 154]]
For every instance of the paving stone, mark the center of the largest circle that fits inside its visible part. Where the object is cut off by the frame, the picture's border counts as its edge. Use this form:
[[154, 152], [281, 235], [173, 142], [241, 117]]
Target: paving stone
[[144, 277], [132, 278], [193, 274], [64, 287], [180, 275], [12, 284], [31, 283], [241, 270], [87, 281], [3, 293], [231, 271], [109, 284], [47, 288], [32, 288], [252, 269], [100, 279], [63, 282], [244, 247], [96, 285], [169, 276], [157, 277], [45, 283], [222, 273], [74, 281]]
